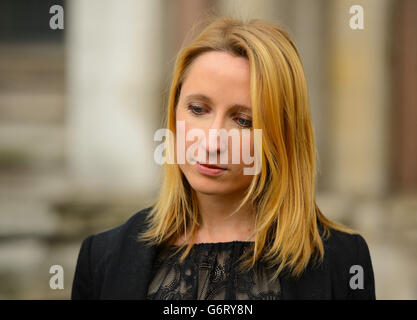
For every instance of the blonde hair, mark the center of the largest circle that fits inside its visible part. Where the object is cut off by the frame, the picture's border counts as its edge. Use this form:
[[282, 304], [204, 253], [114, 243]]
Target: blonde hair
[[283, 193]]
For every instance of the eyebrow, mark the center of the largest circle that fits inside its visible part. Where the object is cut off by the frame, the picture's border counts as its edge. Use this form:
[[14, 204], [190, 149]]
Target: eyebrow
[[203, 97]]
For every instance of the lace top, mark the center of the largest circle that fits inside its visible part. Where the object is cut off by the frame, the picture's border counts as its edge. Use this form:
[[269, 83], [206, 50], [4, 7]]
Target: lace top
[[209, 273]]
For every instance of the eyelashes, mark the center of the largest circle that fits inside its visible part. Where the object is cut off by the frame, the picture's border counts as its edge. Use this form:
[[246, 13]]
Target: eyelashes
[[199, 111], [195, 109], [244, 122]]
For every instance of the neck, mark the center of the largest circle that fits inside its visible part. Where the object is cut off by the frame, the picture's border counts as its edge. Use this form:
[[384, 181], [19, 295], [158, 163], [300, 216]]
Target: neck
[[218, 225]]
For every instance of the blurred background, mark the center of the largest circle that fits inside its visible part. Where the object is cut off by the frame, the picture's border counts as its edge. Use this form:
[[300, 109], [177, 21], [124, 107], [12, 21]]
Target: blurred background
[[79, 107]]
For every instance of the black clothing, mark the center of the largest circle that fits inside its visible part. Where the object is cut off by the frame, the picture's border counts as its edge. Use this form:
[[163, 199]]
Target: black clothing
[[209, 273], [114, 265]]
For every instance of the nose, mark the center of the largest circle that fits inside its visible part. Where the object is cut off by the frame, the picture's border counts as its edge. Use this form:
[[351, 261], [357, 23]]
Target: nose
[[216, 136]]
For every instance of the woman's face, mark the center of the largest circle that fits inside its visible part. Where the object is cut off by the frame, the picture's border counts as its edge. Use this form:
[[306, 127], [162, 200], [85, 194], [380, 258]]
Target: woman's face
[[216, 95]]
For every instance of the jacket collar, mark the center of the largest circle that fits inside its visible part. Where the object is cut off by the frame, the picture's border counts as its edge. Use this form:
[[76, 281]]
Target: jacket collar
[[129, 273]]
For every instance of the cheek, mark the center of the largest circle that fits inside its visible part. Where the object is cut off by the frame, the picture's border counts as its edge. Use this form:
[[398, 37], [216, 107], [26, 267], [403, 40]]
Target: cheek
[[187, 121], [246, 149], [246, 152], [185, 126]]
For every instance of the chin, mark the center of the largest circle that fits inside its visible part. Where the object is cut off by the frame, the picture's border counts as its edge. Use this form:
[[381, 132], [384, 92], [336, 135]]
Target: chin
[[208, 187]]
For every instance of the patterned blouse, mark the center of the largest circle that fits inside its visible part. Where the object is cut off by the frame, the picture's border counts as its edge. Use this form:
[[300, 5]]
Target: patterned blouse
[[209, 273]]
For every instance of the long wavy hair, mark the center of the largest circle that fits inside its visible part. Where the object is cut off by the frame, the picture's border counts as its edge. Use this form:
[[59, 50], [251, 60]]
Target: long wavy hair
[[287, 218]]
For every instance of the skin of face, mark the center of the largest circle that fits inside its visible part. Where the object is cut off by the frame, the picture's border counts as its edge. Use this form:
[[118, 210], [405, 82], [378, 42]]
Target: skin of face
[[213, 96]]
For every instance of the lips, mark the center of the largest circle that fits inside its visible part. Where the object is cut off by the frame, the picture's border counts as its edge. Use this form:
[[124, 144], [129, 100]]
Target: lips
[[211, 166], [210, 169]]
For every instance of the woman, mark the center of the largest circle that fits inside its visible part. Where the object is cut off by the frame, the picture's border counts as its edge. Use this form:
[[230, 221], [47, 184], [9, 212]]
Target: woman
[[216, 232]]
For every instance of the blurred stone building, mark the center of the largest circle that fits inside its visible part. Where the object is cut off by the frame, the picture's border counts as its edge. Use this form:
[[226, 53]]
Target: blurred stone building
[[79, 106]]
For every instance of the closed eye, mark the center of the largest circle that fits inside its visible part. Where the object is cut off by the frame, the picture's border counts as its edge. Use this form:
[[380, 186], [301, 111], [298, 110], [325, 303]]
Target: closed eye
[[199, 111], [245, 123], [195, 109]]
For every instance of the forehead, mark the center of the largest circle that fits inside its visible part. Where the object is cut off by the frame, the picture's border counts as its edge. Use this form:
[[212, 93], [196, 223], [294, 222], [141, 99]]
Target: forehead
[[220, 76], [222, 62]]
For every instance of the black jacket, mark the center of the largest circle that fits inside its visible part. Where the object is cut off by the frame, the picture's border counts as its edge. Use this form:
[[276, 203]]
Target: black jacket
[[113, 265]]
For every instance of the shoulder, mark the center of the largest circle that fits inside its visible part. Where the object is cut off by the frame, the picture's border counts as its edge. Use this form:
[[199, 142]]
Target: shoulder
[[97, 250], [105, 244], [349, 260], [129, 228], [344, 247]]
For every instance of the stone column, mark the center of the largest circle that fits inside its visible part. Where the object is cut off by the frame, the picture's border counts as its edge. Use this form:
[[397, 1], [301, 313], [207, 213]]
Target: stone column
[[404, 156], [359, 92], [114, 88]]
